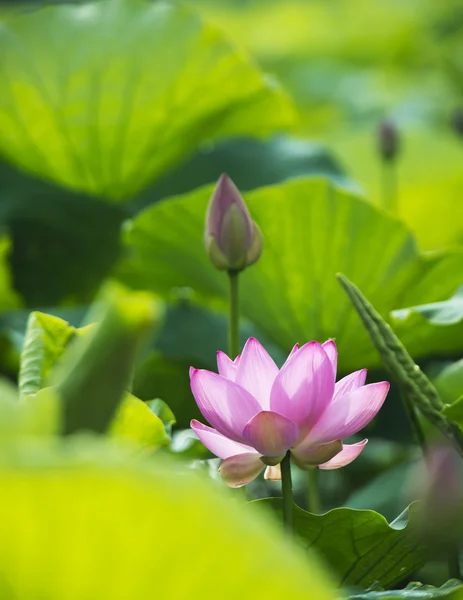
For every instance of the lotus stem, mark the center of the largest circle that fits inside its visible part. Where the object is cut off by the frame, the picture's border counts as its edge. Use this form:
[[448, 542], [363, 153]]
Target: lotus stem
[[234, 319], [287, 492]]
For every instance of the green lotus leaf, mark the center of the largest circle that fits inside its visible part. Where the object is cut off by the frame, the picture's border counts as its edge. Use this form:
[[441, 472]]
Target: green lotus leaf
[[106, 96]]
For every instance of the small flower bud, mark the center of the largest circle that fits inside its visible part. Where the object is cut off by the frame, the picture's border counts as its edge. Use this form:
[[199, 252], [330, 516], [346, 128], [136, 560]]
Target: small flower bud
[[233, 240], [457, 121], [388, 141]]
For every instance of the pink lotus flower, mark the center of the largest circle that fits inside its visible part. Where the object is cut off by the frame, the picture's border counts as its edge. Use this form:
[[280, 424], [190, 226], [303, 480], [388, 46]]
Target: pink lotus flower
[[259, 412]]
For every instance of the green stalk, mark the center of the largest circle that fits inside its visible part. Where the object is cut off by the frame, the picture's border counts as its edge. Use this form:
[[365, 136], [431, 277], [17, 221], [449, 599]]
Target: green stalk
[[389, 186], [287, 492], [234, 331], [234, 320], [313, 497]]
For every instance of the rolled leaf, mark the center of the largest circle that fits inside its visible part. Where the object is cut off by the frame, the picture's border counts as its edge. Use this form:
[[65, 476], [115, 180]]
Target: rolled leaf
[[97, 370]]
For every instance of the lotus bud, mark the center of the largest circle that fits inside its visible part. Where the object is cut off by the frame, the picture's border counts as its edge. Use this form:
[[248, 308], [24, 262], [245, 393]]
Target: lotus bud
[[388, 141], [233, 240]]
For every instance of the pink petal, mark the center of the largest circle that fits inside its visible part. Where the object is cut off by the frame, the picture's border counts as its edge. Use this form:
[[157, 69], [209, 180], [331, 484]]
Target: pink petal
[[345, 457], [256, 372], [227, 406], [307, 456], [241, 469], [226, 366], [349, 413], [294, 350], [273, 473], [270, 434], [350, 382], [332, 353], [217, 443], [304, 386]]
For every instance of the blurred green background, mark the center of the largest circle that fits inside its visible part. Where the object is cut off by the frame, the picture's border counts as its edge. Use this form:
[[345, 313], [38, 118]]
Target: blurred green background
[[108, 109]]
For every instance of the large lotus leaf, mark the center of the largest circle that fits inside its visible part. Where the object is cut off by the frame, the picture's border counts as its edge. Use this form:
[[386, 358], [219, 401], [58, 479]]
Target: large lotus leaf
[[311, 230], [84, 521], [106, 96], [360, 546]]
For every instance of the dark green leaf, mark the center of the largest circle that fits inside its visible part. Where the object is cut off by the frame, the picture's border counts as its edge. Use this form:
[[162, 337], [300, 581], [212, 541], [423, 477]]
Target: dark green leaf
[[169, 379], [250, 162], [62, 243], [190, 331], [9, 298], [359, 545]]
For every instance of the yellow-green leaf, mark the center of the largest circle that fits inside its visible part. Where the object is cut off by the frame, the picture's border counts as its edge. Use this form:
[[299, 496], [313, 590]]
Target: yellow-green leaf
[[106, 96], [135, 421], [81, 520]]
